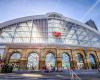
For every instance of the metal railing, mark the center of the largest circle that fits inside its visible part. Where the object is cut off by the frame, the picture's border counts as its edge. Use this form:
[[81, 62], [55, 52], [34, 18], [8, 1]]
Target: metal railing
[[74, 76]]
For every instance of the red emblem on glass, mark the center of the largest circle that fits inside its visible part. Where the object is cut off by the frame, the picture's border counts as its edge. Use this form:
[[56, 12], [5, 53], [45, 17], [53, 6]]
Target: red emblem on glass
[[57, 34]]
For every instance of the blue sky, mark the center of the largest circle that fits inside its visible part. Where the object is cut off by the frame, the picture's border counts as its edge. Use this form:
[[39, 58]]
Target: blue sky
[[81, 10]]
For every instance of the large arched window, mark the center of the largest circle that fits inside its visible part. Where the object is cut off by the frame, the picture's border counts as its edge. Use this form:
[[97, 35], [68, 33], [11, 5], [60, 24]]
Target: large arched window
[[92, 61], [80, 62], [65, 61], [33, 61], [50, 60], [14, 59]]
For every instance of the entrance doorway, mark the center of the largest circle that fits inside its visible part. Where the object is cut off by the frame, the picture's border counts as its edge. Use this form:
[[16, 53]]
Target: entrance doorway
[[92, 61], [50, 61], [80, 62], [33, 62], [15, 60], [65, 61]]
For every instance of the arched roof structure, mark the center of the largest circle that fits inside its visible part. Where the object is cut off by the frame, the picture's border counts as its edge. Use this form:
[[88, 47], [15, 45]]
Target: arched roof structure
[[39, 29]]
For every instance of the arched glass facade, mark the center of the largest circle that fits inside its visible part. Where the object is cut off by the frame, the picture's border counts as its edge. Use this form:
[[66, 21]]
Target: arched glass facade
[[41, 31], [65, 61], [33, 61]]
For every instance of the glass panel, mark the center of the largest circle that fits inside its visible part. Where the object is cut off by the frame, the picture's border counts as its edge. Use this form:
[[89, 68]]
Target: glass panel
[[29, 23], [41, 31], [10, 28], [7, 34], [5, 40], [15, 56], [18, 40], [22, 34], [1, 53], [22, 24], [91, 58], [80, 63], [92, 61], [58, 27], [65, 61], [37, 40], [25, 28], [50, 61], [36, 34], [33, 61]]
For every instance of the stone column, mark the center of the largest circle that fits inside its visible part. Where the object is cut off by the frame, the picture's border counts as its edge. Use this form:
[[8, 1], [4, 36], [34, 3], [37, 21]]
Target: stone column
[[97, 59], [23, 60], [6, 55], [86, 60], [99, 62], [73, 60], [42, 65], [86, 63], [73, 64], [58, 63]]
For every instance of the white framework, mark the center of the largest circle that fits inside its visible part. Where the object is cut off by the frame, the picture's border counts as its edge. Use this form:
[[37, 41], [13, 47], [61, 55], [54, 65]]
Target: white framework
[[38, 30]]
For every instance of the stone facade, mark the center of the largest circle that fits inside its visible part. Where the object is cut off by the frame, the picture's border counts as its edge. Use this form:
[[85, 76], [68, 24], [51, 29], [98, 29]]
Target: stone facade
[[42, 52]]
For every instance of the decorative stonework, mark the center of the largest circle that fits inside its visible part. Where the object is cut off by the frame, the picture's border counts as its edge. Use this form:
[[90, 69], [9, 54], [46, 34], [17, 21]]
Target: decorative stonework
[[42, 52]]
